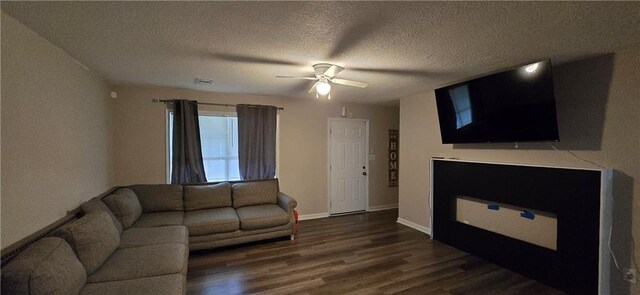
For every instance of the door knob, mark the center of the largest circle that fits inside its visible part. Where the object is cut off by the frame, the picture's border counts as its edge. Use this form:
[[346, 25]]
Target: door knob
[[364, 173]]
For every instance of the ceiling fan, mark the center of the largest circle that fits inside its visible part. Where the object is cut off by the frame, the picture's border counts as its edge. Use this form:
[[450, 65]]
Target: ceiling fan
[[325, 76]]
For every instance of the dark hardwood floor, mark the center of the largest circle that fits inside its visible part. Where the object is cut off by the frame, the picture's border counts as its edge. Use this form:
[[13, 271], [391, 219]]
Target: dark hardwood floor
[[355, 254]]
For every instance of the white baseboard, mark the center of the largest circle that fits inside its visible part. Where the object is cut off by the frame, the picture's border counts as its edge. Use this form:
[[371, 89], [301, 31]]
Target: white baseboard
[[313, 216], [415, 226], [382, 207], [326, 214]]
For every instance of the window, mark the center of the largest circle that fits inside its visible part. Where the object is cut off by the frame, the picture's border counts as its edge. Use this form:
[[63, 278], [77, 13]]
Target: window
[[462, 105], [219, 139]]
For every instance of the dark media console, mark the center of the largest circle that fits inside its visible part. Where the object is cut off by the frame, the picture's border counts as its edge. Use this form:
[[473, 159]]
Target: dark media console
[[579, 200]]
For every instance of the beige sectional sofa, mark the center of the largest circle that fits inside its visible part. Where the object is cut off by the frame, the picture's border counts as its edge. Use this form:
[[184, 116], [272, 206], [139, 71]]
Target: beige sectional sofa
[[137, 239], [218, 214]]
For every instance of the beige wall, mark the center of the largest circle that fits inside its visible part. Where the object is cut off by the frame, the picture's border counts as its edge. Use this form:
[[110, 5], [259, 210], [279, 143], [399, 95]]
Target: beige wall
[[55, 132], [541, 231], [140, 142], [598, 103]]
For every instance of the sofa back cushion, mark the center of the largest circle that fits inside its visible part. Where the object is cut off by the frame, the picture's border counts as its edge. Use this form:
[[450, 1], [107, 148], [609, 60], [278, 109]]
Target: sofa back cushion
[[159, 197], [255, 193], [197, 197], [97, 205], [48, 266], [93, 238], [125, 206]]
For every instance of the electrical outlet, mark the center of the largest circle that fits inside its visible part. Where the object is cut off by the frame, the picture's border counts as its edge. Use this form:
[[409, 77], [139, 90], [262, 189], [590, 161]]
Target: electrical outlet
[[630, 276]]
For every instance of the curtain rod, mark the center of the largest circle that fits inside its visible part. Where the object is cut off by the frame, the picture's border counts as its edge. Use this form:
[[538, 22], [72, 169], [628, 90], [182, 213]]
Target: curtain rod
[[204, 103]]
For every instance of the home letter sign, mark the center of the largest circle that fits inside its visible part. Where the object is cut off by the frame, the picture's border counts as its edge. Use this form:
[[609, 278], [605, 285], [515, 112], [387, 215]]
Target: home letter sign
[[393, 157]]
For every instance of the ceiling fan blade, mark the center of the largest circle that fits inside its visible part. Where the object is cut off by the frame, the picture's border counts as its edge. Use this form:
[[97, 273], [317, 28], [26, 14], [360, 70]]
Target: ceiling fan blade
[[313, 88], [356, 35], [252, 59], [333, 70], [296, 77], [349, 82], [403, 72]]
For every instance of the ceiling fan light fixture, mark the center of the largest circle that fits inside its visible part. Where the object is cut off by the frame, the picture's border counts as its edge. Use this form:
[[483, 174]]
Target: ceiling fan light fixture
[[325, 77], [323, 88]]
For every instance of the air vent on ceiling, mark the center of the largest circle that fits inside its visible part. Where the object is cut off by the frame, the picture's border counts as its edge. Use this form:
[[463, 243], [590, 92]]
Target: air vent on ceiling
[[200, 81]]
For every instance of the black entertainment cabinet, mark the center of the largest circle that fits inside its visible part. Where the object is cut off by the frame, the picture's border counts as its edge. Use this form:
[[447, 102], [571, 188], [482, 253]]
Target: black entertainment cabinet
[[580, 199]]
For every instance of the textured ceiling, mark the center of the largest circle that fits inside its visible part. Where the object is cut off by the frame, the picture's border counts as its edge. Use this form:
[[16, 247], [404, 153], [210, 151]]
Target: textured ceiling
[[400, 48]]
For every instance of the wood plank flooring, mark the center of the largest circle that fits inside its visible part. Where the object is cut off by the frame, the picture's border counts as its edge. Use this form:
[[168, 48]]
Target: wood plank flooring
[[355, 254]]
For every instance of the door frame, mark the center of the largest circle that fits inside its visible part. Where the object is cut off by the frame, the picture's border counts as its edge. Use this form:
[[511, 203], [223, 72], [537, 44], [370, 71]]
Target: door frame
[[366, 124]]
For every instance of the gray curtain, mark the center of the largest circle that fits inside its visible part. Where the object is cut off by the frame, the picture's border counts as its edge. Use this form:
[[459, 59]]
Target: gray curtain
[[187, 166], [257, 141]]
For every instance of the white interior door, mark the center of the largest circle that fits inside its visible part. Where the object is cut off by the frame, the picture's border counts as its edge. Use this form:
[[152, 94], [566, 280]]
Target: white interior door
[[348, 165]]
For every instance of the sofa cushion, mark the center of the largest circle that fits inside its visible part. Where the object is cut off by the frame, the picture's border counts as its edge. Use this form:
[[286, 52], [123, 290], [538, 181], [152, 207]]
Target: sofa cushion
[[146, 236], [199, 240], [97, 205], [255, 193], [159, 197], [160, 219], [93, 238], [48, 266], [125, 205], [211, 221], [261, 216], [140, 262], [161, 285], [197, 197]]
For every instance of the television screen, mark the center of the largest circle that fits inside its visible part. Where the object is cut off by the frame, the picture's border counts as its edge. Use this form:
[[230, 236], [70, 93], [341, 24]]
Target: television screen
[[511, 106]]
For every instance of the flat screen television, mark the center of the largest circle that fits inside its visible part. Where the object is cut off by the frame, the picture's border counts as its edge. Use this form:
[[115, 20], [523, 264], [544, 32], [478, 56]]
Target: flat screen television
[[517, 105]]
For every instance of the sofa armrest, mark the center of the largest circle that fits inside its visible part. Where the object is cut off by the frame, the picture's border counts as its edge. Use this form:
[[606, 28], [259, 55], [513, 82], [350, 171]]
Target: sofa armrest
[[286, 202]]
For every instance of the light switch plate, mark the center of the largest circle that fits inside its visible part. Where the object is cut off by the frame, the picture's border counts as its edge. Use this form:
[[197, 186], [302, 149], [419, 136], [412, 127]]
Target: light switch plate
[[372, 157]]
